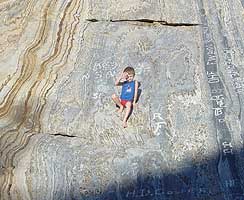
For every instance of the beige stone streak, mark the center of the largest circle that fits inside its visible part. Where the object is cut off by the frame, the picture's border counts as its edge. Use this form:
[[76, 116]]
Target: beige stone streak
[[40, 77], [26, 72], [57, 59], [29, 62], [14, 19]]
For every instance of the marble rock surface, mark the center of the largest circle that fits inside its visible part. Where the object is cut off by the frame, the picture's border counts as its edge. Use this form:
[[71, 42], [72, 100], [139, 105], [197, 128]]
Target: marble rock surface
[[61, 138]]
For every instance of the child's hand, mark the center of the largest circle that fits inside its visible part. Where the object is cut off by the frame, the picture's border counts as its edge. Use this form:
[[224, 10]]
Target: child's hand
[[124, 75]]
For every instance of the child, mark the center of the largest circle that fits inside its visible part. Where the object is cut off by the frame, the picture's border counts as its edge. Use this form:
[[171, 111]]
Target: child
[[129, 92]]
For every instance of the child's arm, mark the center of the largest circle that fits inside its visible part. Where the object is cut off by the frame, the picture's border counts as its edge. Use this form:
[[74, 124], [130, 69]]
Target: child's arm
[[136, 93], [121, 77]]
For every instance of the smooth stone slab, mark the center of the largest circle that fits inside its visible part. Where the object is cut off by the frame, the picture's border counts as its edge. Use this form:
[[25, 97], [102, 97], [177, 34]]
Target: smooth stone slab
[[60, 135]]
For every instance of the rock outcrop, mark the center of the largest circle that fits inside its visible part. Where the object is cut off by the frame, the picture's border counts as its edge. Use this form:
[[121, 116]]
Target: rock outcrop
[[61, 138]]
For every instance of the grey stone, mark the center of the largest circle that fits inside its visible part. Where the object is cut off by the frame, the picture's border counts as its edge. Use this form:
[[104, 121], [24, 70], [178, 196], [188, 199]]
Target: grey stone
[[61, 138]]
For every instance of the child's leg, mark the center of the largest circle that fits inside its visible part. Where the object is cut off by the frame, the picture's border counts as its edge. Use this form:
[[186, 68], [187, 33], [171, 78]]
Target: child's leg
[[117, 101], [128, 109]]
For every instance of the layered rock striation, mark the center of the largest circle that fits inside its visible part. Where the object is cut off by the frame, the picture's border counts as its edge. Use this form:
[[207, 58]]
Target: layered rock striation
[[61, 138]]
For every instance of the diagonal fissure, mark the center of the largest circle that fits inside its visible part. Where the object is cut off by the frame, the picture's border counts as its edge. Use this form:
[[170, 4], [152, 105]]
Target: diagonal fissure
[[148, 21], [63, 135]]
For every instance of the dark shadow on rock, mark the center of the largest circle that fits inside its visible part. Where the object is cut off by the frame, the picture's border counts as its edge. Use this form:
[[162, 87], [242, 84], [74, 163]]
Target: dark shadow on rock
[[193, 182], [201, 181]]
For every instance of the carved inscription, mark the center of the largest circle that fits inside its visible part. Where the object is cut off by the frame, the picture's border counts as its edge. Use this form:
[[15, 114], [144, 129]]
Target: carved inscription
[[142, 193], [158, 123], [219, 106], [232, 70]]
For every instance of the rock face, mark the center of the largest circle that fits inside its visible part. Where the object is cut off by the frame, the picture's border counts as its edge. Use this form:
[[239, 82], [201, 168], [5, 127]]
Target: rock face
[[61, 138]]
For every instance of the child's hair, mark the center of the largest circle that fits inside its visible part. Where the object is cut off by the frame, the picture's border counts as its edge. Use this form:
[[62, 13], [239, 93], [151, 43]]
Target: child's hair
[[130, 70]]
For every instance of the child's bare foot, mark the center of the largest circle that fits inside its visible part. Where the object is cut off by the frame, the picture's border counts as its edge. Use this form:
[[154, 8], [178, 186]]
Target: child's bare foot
[[124, 124]]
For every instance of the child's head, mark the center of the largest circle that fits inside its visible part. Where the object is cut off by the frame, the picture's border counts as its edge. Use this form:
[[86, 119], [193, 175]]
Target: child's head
[[131, 73]]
